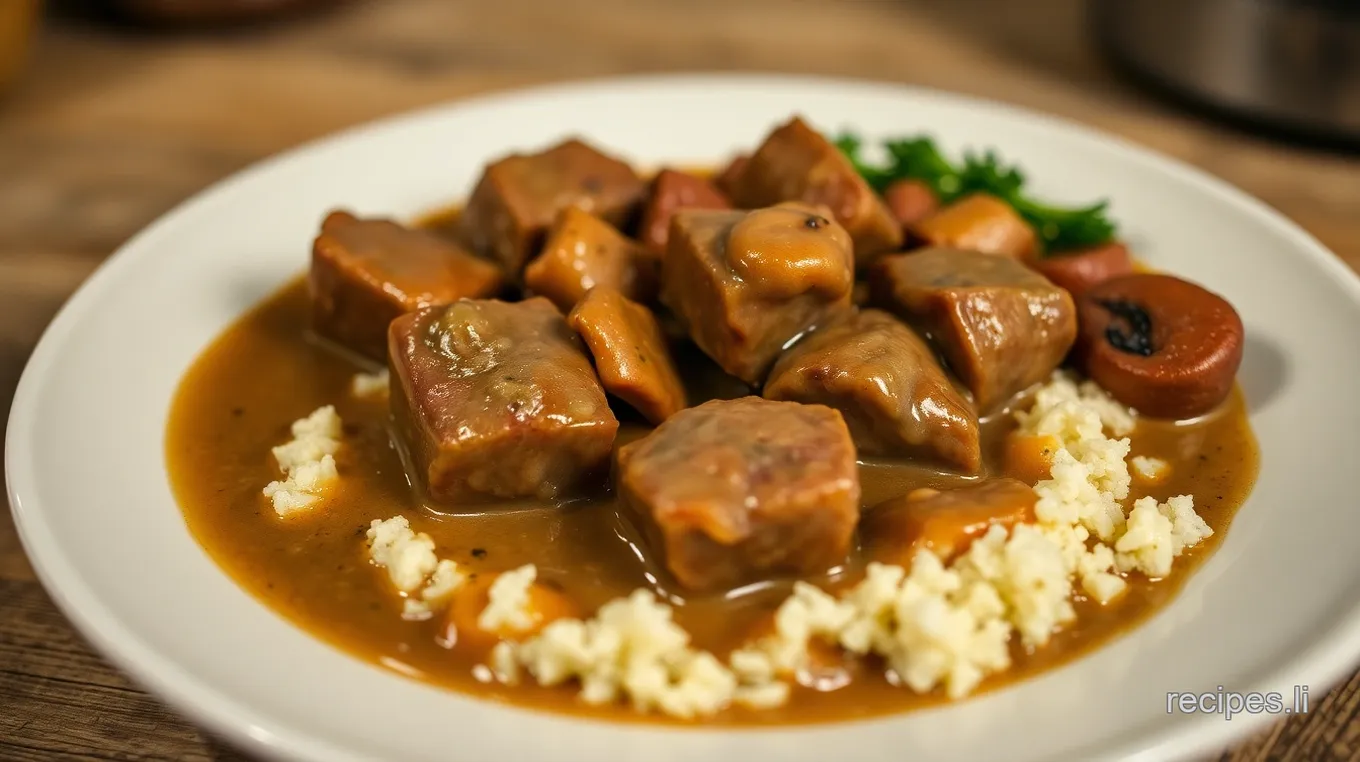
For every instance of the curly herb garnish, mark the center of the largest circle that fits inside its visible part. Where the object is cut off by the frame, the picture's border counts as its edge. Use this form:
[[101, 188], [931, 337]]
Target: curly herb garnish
[[918, 159]]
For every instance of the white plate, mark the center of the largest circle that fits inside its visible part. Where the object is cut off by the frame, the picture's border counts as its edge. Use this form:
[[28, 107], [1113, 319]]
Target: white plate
[[1275, 607]]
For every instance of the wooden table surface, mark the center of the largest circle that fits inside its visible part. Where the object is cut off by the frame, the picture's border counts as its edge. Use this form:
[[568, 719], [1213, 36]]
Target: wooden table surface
[[112, 128]]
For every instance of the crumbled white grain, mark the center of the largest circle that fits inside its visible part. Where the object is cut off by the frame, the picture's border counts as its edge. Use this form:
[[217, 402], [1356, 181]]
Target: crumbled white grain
[[765, 695], [1159, 533], [935, 628], [932, 626], [424, 581], [632, 650], [1151, 470], [307, 461], [507, 608], [1029, 572], [1063, 388], [1098, 580], [1081, 505], [370, 385], [408, 557], [1188, 528], [444, 581]]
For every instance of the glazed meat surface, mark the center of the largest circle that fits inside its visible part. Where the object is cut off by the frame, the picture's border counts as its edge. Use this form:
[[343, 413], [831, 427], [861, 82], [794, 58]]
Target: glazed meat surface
[[1000, 326], [731, 492], [886, 382], [796, 163], [498, 400], [746, 283], [366, 272], [519, 197], [672, 190], [944, 522], [584, 251], [978, 222], [630, 352]]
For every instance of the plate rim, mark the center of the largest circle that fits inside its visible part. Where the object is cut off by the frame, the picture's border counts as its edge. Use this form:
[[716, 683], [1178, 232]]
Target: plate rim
[[1326, 662]]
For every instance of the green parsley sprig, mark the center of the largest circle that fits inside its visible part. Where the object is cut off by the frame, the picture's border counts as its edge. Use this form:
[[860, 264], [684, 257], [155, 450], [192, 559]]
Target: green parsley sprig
[[918, 158]]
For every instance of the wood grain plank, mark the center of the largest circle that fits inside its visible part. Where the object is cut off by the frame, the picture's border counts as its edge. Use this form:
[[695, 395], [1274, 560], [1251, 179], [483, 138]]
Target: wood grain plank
[[112, 128], [60, 700]]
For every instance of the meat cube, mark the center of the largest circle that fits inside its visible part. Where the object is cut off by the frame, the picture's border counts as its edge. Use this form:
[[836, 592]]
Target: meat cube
[[498, 400], [746, 283], [886, 382], [584, 251], [734, 491], [671, 191], [795, 163], [630, 352], [944, 522], [726, 180], [366, 272], [978, 222], [1000, 326], [520, 196], [1080, 270], [910, 201]]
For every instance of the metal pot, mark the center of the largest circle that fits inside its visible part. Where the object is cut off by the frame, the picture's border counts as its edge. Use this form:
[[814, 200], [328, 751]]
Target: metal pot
[[1290, 64]]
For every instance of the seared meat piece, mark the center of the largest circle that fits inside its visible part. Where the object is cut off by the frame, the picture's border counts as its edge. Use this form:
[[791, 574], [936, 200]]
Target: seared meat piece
[[734, 491], [1081, 270], [673, 190], [498, 400], [520, 196], [944, 522], [795, 163], [978, 223], [365, 272], [726, 180], [746, 283], [1000, 326], [630, 352], [910, 201], [887, 383], [584, 251]]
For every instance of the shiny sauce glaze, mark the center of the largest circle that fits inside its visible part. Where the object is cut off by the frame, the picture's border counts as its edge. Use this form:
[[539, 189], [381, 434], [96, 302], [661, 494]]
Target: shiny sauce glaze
[[265, 371]]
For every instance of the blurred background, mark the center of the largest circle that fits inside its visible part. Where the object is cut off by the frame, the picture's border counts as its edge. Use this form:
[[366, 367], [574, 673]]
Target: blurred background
[[114, 111]]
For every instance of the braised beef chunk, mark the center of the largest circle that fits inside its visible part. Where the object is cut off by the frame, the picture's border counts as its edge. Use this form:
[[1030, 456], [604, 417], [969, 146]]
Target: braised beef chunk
[[1001, 326], [746, 283], [734, 491], [795, 163], [943, 521], [886, 382], [630, 352], [910, 201], [498, 400], [365, 272], [726, 180], [978, 223], [520, 196], [672, 190], [585, 251]]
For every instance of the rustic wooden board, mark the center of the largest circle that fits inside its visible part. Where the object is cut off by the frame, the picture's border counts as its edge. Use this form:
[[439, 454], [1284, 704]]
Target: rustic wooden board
[[112, 128]]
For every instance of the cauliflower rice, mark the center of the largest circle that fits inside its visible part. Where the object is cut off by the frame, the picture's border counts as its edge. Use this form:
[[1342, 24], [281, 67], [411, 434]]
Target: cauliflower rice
[[370, 385], [423, 580], [307, 461]]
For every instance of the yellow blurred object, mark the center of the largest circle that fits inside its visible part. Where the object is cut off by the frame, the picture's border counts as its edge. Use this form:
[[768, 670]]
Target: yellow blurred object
[[18, 23]]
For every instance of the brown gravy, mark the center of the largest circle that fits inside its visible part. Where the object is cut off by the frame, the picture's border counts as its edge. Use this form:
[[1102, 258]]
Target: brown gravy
[[238, 400]]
